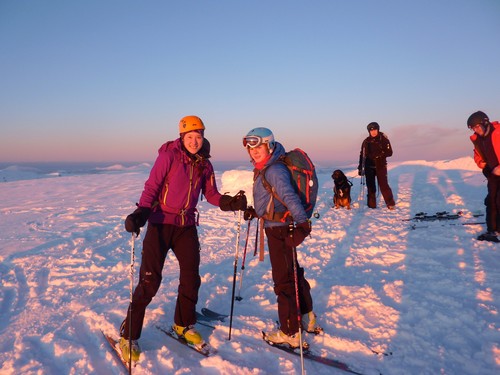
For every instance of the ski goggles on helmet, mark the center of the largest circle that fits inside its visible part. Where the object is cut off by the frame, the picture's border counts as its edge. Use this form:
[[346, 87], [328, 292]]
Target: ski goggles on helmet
[[252, 141]]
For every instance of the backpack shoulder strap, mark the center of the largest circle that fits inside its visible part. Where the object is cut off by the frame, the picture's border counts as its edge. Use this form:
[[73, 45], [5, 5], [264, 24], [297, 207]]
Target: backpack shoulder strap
[[270, 214]]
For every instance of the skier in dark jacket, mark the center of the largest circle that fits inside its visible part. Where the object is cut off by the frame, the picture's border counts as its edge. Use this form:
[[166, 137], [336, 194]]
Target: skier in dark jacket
[[264, 152], [373, 164], [486, 140], [168, 202]]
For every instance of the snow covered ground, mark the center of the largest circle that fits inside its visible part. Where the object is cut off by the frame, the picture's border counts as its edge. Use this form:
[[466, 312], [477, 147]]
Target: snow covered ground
[[429, 298]]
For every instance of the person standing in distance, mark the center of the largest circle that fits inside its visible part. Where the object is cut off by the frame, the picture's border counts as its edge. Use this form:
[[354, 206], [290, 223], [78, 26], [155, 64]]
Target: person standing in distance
[[168, 203], [486, 141], [375, 150]]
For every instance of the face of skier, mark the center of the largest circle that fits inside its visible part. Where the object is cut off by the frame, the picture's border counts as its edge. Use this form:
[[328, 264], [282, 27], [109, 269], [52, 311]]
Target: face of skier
[[259, 153], [192, 141], [373, 132], [478, 129]]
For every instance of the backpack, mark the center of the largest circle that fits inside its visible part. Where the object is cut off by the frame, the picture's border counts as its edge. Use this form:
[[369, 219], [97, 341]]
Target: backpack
[[303, 178]]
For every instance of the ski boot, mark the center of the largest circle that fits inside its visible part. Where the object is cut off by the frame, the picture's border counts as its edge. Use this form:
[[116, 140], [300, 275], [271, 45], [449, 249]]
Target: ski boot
[[309, 323], [488, 236], [280, 338], [191, 336], [124, 347]]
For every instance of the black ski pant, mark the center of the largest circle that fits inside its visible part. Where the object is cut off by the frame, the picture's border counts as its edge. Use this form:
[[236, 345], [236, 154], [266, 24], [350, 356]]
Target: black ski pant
[[158, 240], [380, 173], [492, 203], [281, 257]]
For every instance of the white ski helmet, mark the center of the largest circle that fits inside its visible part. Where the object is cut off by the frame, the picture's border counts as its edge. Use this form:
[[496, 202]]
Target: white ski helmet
[[258, 136]]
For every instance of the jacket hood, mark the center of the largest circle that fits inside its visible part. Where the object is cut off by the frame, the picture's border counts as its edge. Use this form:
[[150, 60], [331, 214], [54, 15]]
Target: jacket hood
[[279, 150]]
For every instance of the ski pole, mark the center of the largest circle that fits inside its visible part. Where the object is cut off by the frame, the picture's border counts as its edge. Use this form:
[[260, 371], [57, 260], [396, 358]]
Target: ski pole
[[363, 172], [361, 190], [297, 300], [235, 271], [238, 297], [132, 261]]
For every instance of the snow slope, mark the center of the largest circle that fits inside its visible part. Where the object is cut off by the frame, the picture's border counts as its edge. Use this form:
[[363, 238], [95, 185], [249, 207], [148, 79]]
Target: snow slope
[[427, 297]]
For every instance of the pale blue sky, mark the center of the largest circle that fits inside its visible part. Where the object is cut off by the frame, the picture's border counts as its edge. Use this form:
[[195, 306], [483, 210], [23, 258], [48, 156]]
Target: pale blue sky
[[109, 80]]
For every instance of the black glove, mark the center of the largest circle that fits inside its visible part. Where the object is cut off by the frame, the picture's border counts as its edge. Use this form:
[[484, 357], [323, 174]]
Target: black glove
[[249, 213], [236, 203], [298, 234], [487, 171], [360, 172], [137, 219]]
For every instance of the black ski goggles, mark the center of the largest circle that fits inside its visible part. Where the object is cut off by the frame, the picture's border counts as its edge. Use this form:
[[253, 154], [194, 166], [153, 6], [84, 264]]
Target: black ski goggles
[[252, 141]]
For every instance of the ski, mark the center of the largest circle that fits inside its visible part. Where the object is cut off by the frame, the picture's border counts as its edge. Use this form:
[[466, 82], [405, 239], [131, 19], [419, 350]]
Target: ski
[[415, 226], [206, 349], [207, 316], [116, 351], [313, 357], [213, 315], [320, 331], [443, 215], [204, 321], [203, 318]]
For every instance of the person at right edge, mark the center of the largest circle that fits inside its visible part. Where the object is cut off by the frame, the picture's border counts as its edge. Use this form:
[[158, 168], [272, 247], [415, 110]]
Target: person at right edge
[[373, 164], [264, 152], [486, 141]]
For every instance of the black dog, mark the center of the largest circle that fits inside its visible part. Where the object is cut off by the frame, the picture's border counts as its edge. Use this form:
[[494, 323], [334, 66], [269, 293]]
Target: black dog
[[341, 190]]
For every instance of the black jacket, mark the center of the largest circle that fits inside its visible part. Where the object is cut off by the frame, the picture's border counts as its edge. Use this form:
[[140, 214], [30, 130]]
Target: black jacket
[[374, 151]]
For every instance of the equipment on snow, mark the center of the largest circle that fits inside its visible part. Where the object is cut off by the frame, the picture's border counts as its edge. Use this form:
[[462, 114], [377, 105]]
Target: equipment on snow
[[206, 316], [361, 173], [443, 215], [205, 350], [114, 345], [213, 315], [304, 181], [234, 274], [239, 297], [297, 299], [132, 263], [309, 323], [415, 226], [313, 357]]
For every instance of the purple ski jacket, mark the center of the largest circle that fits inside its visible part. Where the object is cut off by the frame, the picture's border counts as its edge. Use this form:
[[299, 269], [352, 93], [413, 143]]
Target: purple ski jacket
[[175, 183]]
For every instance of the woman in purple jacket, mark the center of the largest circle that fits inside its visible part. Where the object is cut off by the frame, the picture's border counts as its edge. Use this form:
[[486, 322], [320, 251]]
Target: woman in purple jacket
[[168, 203]]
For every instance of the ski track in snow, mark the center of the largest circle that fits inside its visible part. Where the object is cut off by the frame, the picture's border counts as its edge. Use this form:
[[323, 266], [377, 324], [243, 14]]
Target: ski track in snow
[[429, 296]]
